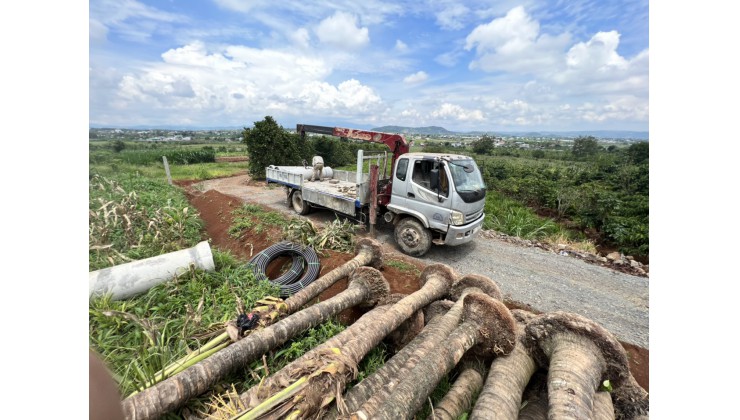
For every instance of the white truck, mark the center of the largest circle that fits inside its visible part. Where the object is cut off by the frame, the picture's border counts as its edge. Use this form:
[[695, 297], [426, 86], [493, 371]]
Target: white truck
[[431, 198]]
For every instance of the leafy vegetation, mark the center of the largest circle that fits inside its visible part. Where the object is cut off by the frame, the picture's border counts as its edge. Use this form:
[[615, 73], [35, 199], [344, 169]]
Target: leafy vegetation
[[174, 156], [339, 235], [606, 192], [269, 144], [131, 217], [254, 218]]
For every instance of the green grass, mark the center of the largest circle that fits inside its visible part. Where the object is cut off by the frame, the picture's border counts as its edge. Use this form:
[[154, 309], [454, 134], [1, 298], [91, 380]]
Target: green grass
[[139, 336], [402, 266], [251, 217], [198, 171], [512, 218], [133, 217]]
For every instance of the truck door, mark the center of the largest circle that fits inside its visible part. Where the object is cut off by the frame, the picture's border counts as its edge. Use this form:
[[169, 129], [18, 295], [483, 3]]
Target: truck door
[[432, 203], [398, 192]]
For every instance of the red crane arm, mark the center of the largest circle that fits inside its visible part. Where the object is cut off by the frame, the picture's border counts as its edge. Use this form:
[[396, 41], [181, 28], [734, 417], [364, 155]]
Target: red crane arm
[[396, 142]]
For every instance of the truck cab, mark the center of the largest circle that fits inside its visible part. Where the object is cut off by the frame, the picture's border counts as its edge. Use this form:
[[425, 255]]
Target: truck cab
[[436, 198]]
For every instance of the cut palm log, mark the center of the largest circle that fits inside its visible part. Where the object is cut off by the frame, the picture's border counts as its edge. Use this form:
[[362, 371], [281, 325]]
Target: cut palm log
[[280, 379], [174, 392], [336, 367], [579, 355], [459, 398], [372, 390], [501, 397], [486, 324]]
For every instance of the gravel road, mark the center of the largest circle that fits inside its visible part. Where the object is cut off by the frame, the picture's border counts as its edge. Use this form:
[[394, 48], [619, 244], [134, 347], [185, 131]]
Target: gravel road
[[546, 281]]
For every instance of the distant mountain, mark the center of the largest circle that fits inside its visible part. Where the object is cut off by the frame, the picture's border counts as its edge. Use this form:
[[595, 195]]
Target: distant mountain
[[600, 134], [413, 130]]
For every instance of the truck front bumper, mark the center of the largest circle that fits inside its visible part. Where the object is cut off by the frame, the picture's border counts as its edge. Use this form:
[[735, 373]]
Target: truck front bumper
[[458, 235]]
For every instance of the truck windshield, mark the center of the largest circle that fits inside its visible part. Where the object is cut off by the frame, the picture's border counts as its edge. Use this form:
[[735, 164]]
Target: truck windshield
[[467, 179], [465, 175]]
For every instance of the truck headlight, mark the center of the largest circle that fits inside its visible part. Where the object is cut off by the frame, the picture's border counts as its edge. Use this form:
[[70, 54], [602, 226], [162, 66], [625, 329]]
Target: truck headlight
[[457, 218]]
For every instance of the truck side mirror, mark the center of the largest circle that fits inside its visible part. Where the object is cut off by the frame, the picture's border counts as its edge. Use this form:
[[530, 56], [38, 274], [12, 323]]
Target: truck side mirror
[[434, 180]]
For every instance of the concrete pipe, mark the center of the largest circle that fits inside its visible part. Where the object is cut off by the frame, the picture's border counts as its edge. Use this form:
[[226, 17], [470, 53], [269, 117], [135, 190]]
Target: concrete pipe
[[327, 172], [127, 280]]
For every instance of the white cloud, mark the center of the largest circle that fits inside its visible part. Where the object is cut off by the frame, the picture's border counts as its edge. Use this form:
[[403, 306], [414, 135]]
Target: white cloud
[[349, 95], [131, 19], [243, 6], [456, 112], [597, 66], [401, 46], [513, 43], [195, 54], [300, 37], [340, 30], [448, 59], [417, 77], [233, 81], [451, 16]]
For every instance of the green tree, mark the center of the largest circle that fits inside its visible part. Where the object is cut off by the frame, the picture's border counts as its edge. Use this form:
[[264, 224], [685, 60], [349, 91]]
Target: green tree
[[484, 145], [118, 146], [269, 144], [585, 146], [639, 152]]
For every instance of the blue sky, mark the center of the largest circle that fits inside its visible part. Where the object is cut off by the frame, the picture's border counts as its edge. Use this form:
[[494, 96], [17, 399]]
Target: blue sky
[[474, 65]]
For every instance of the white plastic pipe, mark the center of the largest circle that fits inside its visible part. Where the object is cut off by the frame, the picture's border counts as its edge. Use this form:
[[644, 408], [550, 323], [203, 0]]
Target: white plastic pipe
[[130, 279], [360, 166]]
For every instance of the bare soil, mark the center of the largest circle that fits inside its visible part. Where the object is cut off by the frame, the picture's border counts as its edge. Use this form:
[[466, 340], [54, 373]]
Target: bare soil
[[216, 206]]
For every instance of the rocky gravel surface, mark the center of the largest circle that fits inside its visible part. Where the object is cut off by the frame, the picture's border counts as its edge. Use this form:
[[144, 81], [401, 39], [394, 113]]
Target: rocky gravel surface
[[611, 291]]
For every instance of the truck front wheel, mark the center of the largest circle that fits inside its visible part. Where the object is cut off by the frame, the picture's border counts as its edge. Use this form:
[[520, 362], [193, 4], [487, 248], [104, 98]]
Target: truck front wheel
[[412, 237], [301, 207]]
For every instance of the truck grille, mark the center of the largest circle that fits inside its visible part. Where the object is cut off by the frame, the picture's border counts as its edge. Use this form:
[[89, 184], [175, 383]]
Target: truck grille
[[473, 216]]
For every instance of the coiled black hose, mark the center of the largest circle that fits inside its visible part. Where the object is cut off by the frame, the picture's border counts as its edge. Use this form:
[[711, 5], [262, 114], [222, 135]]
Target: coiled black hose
[[291, 281]]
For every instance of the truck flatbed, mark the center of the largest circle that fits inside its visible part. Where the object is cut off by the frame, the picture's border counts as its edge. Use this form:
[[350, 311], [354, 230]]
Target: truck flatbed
[[340, 192]]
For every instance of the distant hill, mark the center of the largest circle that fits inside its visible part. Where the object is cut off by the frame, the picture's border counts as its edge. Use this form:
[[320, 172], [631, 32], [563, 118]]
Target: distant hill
[[413, 130], [600, 134]]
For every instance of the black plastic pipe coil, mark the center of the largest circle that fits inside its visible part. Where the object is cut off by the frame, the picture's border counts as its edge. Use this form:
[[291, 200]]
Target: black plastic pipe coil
[[291, 281]]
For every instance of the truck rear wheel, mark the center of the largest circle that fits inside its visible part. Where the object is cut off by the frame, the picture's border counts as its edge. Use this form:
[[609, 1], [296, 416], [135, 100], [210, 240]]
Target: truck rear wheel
[[412, 237], [301, 207]]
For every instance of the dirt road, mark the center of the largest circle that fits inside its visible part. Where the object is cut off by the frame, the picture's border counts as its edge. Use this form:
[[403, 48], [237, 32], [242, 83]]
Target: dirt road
[[542, 280]]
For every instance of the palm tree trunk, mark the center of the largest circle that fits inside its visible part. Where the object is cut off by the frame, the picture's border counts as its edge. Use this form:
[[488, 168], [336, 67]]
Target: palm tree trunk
[[580, 354], [336, 367], [177, 390], [501, 397], [259, 393], [378, 386], [486, 323], [367, 252], [459, 398], [534, 401], [603, 407]]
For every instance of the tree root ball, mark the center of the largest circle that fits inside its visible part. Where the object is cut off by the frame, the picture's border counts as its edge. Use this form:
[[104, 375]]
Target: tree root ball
[[437, 308], [496, 324], [485, 284], [374, 247], [374, 281], [439, 271], [545, 326], [523, 317]]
